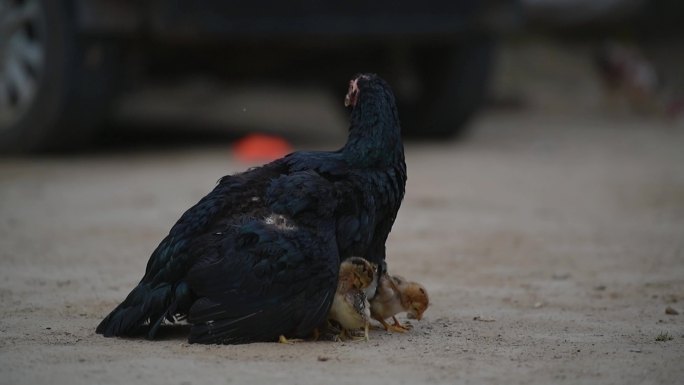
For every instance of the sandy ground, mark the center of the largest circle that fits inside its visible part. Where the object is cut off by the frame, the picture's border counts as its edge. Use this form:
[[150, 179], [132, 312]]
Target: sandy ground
[[551, 248]]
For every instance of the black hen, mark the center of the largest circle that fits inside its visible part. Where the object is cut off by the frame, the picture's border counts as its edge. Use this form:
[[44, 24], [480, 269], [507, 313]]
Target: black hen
[[259, 256]]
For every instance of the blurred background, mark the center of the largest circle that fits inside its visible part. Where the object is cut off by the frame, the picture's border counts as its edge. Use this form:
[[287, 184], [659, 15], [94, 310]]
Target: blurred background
[[544, 207], [82, 74]]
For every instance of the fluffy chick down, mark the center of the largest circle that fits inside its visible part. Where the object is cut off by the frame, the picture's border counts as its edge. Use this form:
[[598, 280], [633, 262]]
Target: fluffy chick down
[[350, 307]]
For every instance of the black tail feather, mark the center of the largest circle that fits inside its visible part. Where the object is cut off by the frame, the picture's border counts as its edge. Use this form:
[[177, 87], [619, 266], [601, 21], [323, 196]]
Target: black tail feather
[[142, 305]]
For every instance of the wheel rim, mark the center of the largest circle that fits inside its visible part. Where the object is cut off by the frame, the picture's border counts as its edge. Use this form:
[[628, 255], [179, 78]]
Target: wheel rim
[[22, 57]]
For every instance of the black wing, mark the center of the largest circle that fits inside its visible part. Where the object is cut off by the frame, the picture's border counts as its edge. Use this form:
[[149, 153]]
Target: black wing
[[262, 282], [270, 276]]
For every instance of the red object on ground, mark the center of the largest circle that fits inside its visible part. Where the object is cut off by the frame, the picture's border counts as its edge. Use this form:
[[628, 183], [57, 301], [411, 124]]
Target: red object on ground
[[260, 147]]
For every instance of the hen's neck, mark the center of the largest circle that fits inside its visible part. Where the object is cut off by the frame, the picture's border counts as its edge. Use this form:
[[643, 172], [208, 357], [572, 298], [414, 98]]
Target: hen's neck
[[374, 135]]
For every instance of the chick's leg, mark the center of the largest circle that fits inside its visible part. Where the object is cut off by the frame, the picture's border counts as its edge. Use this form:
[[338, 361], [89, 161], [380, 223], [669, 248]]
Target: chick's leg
[[398, 325], [392, 328]]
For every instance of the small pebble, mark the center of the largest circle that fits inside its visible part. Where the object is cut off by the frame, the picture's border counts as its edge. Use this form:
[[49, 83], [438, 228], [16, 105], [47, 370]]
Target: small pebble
[[671, 311], [323, 359]]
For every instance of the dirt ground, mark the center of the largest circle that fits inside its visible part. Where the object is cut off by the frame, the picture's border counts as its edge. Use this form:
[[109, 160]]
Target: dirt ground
[[551, 248]]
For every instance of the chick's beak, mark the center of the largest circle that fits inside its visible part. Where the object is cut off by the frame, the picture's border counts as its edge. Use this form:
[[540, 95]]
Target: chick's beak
[[416, 316]]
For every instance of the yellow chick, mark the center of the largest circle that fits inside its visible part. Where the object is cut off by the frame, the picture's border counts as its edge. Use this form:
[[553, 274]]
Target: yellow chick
[[350, 306], [397, 295]]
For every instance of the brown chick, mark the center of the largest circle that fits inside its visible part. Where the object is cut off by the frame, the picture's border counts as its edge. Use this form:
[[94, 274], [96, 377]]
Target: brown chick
[[350, 306], [397, 295]]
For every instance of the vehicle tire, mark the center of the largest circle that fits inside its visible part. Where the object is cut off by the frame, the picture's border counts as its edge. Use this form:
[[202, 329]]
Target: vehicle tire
[[54, 84], [453, 86]]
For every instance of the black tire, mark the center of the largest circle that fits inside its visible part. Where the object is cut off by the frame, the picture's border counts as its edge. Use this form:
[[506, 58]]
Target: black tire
[[73, 87], [454, 81]]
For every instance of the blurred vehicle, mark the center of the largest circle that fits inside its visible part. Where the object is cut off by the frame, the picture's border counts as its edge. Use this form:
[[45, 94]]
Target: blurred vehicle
[[62, 62], [584, 13]]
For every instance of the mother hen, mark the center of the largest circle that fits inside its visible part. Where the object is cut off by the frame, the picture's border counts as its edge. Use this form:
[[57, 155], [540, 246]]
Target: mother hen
[[259, 256]]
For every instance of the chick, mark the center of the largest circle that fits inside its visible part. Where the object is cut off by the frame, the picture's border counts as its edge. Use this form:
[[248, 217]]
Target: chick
[[350, 307], [396, 295]]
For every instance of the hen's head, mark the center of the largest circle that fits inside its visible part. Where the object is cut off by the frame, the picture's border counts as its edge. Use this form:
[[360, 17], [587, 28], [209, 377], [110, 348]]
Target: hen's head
[[362, 84], [374, 129]]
